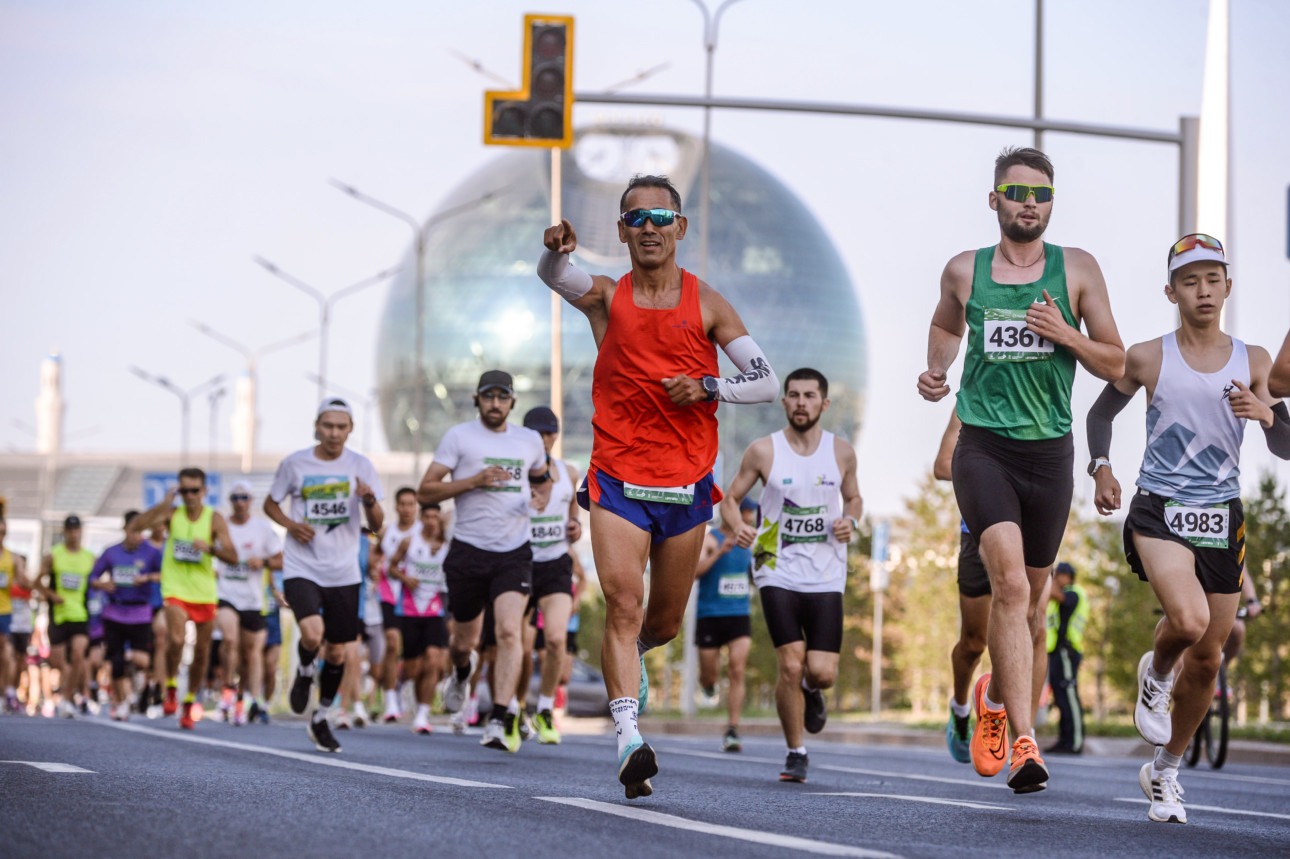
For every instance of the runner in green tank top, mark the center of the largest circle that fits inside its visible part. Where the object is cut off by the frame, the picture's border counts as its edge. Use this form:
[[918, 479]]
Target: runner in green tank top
[[1022, 303], [67, 568]]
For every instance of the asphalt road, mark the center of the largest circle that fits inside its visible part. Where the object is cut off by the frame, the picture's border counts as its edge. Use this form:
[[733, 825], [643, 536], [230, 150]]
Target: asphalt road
[[87, 787]]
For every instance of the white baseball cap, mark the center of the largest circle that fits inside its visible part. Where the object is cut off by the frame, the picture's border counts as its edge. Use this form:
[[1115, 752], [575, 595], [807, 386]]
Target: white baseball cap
[[1196, 247]]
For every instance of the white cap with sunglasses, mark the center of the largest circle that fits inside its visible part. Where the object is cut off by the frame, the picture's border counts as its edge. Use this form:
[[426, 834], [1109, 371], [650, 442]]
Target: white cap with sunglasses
[[1196, 247]]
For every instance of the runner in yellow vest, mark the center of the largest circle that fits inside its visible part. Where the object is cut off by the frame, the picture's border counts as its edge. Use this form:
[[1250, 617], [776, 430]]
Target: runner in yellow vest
[[67, 569], [13, 576], [188, 583]]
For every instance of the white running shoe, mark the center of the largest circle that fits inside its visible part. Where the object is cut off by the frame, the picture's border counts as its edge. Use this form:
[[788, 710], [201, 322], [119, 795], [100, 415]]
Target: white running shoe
[[391, 713], [361, 717], [458, 722], [472, 710], [1151, 713], [341, 721], [121, 712], [1165, 794], [454, 691], [421, 725], [494, 735], [66, 710]]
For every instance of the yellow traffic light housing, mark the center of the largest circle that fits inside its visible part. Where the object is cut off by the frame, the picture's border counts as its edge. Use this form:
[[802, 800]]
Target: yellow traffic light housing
[[540, 113]]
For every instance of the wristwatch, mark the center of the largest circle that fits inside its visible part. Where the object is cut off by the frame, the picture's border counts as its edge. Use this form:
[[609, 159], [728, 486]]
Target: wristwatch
[[710, 385], [1096, 464]]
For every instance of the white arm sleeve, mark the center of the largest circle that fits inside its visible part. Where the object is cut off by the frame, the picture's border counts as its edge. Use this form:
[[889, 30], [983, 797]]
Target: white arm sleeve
[[563, 276], [756, 382]]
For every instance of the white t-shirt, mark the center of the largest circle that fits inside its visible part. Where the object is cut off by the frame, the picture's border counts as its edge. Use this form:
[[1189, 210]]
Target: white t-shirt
[[323, 494], [549, 528], [390, 590], [496, 518], [238, 584]]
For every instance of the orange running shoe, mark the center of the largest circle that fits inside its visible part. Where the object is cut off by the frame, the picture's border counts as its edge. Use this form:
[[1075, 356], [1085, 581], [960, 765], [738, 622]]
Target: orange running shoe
[[170, 705], [186, 720], [1028, 773], [990, 736]]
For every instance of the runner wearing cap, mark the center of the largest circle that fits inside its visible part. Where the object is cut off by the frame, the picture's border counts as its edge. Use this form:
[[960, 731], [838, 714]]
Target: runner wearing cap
[[13, 607], [417, 563], [328, 485], [406, 510], [67, 568], [655, 390], [553, 528], [240, 617], [1022, 302], [1185, 531], [493, 470], [722, 617], [126, 572], [810, 510], [197, 534]]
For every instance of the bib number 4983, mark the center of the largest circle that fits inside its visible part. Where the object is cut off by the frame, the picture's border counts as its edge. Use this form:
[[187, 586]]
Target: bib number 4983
[[1203, 527]]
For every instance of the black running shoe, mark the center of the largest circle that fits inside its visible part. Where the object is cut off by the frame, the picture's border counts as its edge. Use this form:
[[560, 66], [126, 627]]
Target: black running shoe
[[795, 768], [320, 732], [300, 689], [815, 715]]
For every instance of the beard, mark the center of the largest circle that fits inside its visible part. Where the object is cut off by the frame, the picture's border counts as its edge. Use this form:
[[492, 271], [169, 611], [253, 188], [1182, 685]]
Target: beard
[[492, 421], [1020, 233], [803, 423]]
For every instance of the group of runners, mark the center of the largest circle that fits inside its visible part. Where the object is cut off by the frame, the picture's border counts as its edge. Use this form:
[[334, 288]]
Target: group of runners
[[459, 595]]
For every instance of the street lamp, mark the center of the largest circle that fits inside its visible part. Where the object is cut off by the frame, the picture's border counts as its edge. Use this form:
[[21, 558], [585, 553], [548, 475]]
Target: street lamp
[[368, 400], [252, 357], [420, 232], [325, 303], [185, 396], [711, 24]]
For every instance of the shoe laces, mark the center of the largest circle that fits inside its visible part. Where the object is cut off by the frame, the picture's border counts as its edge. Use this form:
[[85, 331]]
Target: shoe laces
[[1024, 749], [993, 728], [1167, 784], [1157, 695]]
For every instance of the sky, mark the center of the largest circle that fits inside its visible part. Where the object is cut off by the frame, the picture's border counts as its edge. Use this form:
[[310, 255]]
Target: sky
[[151, 149]]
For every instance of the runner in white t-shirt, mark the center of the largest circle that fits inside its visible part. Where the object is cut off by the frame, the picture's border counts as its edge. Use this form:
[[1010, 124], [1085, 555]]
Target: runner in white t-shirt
[[240, 617], [497, 470], [417, 563], [328, 485], [406, 509]]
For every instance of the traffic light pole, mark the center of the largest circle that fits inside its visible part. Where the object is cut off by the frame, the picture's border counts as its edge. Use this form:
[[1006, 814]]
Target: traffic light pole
[[557, 329]]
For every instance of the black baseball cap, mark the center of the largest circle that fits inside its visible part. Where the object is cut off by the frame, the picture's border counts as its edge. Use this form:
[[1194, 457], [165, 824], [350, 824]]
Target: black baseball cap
[[541, 419], [72, 521], [1066, 568], [496, 379]]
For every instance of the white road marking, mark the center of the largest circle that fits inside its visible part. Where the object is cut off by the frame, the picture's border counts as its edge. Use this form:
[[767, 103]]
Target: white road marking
[[790, 842], [725, 756], [1214, 808], [51, 767], [316, 758], [1248, 779], [985, 806]]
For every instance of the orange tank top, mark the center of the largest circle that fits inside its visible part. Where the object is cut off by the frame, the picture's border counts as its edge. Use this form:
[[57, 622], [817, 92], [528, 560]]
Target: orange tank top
[[639, 435]]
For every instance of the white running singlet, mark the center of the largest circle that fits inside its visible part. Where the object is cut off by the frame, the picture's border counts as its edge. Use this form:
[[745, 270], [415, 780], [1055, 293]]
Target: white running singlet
[[795, 548], [550, 528], [238, 584]]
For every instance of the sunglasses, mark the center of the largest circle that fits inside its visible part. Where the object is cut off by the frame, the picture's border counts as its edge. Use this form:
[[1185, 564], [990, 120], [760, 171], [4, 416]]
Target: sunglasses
[[239, 498], [1019, 193], [660, 217], [190, 490], [1195, 240]]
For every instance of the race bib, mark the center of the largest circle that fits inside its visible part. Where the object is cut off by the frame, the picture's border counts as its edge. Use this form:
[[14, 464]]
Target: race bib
[[123, 577], [733, 585], [429, 576], [1007, 339], [69, 582], [1203, 527], [661, 494], [186, 552], [94, 603], [326, 499], [238, 573], [546, 530], [514, 473], [804, 524]]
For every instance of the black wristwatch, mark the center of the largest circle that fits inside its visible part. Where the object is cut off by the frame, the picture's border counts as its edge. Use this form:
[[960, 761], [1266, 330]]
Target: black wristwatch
[[710, 385]]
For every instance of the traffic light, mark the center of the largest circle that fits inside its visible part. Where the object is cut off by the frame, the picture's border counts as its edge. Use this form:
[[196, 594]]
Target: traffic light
[[539, 113]]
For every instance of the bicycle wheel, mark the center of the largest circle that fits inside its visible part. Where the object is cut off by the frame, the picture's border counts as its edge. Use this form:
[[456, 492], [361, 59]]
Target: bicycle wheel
[[1216, 735], [1191, 757]]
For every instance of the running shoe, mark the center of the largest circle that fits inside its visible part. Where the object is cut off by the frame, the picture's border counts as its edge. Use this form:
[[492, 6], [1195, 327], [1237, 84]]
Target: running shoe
[[66, 710], [391, 713], [642, 697], [731, 742], [515, 731], [495, 735], [121, 712], [186, 719], [814, 716], [544, 723], [1165, 794], [636, 766], [320, 732], [1028, 773], [454, 691], [226, 700], [239, 712], [253, 712], [421, 725], [457, 721], [526, 727], [361, 717], [989, 746], [958, 731], [300, 689], [11, 702], [1151, 713], [795, 768], [471, 710], [342, 721]]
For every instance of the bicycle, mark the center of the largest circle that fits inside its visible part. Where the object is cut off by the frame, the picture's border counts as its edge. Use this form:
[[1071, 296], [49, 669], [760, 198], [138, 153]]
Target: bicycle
[[1212, 734]]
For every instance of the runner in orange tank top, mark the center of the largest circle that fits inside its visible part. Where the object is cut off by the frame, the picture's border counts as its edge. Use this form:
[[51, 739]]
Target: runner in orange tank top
[[650, 488]]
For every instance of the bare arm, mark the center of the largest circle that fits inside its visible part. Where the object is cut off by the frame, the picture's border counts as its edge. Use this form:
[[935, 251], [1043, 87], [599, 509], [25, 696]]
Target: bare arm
[[371, 507], [47, 591], [852, 504], [756, 381], [710, 552], [158, 514], [224, 548], [435, 490], [301, 532], [949, 320], [942, 468], [589, 294], [574, 532], [1101, 352], [753, 467]]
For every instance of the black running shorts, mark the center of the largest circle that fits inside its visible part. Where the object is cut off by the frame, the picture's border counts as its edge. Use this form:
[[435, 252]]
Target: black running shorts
[[338, 607], [1218, 568], [477, 577], [973, 579], [552, 577], [422, 633], [713, 632], [793, 617], [1030, 483]]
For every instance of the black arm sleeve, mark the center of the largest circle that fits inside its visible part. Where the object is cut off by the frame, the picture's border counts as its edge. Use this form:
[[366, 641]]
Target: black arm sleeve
[[1098, 424], [1278, 435]]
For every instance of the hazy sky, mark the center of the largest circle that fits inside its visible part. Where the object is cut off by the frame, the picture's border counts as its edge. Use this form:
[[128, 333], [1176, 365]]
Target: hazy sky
[[149, 149]]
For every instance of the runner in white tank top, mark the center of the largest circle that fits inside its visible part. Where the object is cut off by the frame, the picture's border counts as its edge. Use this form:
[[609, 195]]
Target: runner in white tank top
[[1185, 532], [417, 564], [810, 510]]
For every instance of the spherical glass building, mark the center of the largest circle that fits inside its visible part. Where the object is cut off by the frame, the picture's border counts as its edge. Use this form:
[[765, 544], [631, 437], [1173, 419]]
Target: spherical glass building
[[485, 308]]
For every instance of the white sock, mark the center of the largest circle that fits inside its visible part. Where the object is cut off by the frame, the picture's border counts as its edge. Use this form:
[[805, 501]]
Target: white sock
[[1165, 761], [990, 705], [545, 702], [624, 711], [423, 711], [1158, 677], [514, 706], [801, 750], [960, 710]]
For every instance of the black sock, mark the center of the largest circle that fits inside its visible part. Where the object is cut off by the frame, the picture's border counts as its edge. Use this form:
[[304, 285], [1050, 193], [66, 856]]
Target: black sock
[[329, 683], [463, 673], [307, 658], [499, 712]]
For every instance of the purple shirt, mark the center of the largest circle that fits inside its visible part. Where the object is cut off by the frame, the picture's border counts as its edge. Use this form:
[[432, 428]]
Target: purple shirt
[[130, 603]]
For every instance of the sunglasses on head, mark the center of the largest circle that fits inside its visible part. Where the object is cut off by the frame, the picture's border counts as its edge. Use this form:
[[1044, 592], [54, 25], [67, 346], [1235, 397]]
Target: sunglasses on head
[[1019, 193], [660, 217], [190, 490], [239, 498], [1195, 240]]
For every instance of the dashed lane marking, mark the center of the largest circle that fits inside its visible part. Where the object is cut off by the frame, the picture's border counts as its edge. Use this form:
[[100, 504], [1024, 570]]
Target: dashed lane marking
[[984, 806], [50, 767]]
